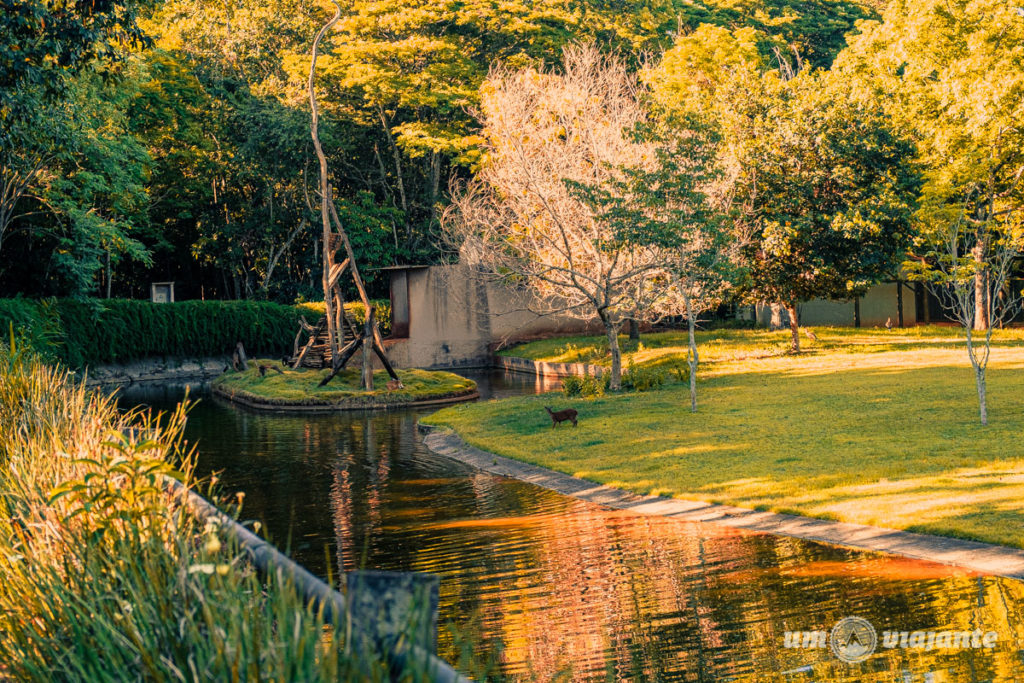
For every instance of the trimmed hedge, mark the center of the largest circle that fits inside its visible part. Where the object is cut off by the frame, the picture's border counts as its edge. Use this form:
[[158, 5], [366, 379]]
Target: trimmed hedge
[[88, 332]]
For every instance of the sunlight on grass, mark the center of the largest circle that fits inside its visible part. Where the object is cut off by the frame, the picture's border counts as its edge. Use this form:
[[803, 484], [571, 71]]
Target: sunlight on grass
[[301, 386], [868, 426]]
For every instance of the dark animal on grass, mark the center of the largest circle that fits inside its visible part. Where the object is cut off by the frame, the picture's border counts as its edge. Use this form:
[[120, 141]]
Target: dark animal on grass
[[265, 368], [567, 415]]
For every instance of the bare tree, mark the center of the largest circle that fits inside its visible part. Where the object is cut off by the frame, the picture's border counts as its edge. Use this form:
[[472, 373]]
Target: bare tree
[[977, 250], [520, 220]]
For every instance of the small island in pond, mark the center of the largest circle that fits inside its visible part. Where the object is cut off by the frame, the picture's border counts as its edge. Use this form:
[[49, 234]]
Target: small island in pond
[[279, 388]]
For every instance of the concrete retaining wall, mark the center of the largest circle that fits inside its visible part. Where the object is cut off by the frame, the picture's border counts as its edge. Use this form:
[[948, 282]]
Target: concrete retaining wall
[[543, 369], [154, 369], [879, 304]]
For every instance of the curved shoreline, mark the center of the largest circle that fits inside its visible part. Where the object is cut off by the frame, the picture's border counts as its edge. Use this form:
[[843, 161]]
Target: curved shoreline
[[256, 404], [983, 558]]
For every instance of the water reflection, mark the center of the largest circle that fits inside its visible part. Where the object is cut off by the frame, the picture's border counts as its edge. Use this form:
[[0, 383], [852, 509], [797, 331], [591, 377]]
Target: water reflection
[[573, 591]]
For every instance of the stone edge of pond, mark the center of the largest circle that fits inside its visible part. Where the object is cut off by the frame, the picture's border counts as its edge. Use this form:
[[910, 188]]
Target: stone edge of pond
[[155, 369], [983, 558], [249, 402], [546, 369]]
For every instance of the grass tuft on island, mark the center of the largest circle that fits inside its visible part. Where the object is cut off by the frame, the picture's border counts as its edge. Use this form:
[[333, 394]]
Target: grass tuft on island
[[870, 426], [299, 389]]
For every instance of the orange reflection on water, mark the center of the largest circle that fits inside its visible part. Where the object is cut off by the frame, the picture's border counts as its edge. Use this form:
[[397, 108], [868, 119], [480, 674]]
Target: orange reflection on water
[[881, 567]]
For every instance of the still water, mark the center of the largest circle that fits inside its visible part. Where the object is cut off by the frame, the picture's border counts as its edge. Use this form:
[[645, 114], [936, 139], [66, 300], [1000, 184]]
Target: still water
[[541, 587]]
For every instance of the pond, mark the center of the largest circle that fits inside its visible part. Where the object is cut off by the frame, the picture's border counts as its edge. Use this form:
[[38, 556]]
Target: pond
[[542, 587]]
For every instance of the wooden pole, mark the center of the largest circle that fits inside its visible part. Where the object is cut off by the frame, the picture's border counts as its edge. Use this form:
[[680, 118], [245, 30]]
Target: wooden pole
[[368, 350], [326, 200]]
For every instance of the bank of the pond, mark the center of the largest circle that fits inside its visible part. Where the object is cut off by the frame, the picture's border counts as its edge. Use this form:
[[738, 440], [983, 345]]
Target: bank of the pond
[[980, 557], [153, 591], [885, 438], [290, 390]]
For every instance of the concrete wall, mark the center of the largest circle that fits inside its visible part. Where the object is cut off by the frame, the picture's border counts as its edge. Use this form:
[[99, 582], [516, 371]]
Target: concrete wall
[[457, 317], [880, 303]]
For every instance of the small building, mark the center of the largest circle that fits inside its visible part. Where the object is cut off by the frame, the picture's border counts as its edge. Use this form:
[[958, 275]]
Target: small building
[[451, 316], [161, 292]]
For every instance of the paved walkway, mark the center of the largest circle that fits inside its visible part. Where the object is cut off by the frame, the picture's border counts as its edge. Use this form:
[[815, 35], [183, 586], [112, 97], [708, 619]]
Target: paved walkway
[[979, 557]]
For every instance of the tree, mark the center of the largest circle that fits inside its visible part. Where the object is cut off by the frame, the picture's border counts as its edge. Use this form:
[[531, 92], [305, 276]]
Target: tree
[[820, 185], [660, 200], [951, 76], [958, 250], [44, 46], [521, 220]]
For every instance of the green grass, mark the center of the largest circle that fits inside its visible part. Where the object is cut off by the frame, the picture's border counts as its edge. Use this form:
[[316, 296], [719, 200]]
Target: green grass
[[300, 387], [874, 427], [719, 345]]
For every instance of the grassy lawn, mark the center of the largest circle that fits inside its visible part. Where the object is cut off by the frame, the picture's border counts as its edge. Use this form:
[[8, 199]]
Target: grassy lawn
[[875, 427], [300, 386]]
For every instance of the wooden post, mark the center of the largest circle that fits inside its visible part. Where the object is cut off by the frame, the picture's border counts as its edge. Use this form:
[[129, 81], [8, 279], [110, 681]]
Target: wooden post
[[368, 350], [342, 359], [856, 311], [326, 199], [239, 360]]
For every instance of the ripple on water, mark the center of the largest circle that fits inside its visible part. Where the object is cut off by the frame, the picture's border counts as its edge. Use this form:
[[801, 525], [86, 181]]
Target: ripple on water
[[573, 591]]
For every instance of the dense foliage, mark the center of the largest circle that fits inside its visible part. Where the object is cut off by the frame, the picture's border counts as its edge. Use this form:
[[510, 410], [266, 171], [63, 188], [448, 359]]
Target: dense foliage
[[169, 140]]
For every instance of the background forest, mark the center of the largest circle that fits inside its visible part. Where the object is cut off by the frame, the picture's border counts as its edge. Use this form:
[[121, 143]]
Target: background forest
[[152, 141]]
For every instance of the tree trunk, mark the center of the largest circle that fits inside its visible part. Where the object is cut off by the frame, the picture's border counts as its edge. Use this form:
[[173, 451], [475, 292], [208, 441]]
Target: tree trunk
[[979, 378], [634, 330], [612, 330], [980, 298], [794, 327], [109, 274], [694, 358], [899, 302]]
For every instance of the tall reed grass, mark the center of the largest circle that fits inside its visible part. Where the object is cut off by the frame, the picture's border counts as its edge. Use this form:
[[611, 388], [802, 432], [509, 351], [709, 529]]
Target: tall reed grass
[[104, 576]]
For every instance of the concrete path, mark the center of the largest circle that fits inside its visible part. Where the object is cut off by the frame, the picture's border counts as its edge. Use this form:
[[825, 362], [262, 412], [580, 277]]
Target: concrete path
[[983, 558]]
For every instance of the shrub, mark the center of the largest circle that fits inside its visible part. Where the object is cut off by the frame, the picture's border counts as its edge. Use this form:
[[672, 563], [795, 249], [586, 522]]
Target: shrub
[[586, 385], [91, 331], [681, 371], [355, 310], [639, 378]]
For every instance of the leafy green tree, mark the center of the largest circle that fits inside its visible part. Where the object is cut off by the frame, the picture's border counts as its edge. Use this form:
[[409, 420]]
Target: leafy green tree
[[44, 46], [820, 188], [659, 200], [951, 75]]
